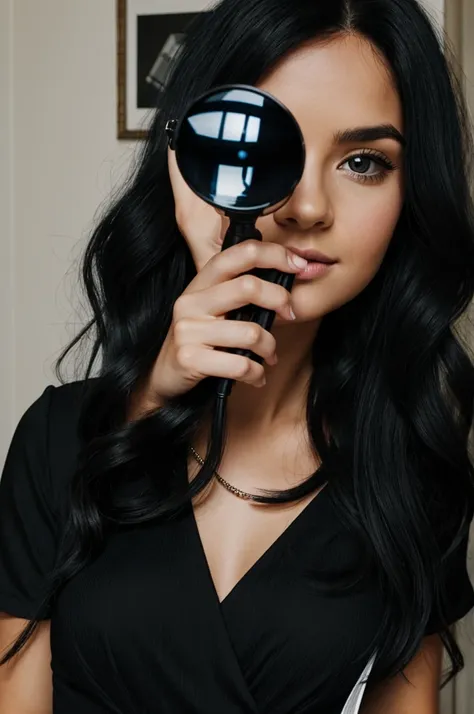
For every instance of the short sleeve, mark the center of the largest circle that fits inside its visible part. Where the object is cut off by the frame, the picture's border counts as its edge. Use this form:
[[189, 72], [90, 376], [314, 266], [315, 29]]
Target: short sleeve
[[28, 521], [459, 591]]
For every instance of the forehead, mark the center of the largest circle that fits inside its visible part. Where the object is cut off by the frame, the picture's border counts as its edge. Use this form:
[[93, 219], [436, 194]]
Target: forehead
[[340, 83]]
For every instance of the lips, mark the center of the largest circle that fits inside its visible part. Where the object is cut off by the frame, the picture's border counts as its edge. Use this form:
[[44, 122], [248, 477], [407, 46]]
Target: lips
[[314, 270], [313, 256]]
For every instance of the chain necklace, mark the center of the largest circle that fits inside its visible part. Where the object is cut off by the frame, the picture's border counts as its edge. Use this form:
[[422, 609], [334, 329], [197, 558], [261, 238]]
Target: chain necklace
[[226, 484]]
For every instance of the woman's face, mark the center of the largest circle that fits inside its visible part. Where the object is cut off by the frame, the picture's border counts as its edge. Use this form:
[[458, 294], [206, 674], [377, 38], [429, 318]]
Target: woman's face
[[348, 202]]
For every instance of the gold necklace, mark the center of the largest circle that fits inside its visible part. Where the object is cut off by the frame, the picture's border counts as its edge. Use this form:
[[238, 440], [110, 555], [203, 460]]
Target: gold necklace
[[226, 484]]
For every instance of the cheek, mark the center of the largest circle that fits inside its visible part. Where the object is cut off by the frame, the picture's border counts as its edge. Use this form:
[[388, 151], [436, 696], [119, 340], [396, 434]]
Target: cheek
[[362, 241], [366, 232], [364, 249]]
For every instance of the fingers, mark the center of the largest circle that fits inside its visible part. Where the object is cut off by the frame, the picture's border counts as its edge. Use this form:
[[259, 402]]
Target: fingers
[[199, 329], [233, 294], [198, 363], [244, 257], [216, 290], [226, 333]]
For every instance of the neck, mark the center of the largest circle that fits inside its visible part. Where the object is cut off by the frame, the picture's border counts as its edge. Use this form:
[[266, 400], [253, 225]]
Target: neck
[[282, 401]]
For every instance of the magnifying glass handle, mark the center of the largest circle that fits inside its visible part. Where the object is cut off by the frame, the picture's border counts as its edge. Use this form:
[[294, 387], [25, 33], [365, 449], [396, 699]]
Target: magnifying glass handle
[[237, 233], [241, 230]]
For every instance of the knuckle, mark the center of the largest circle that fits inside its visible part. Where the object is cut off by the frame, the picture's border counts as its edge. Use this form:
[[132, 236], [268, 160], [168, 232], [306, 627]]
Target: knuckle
[[185, 356], [283, 297], [244, 369], [259, 373], [252, 334], [180, 306], [248, 285], [251, 248], [181, 329]]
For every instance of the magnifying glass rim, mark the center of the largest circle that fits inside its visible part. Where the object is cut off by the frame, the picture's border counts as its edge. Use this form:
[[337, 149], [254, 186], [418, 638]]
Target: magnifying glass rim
[[247, 87]]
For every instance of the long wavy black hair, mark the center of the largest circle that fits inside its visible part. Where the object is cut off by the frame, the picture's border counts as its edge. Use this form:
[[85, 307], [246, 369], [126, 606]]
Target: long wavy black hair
[[394, 382]]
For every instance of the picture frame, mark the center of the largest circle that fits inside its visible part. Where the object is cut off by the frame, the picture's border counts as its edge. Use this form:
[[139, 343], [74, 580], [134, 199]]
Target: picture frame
[[149, 34]]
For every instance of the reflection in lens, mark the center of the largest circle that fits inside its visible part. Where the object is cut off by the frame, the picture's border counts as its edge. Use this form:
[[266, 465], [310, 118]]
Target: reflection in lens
[[243, 95], [231, 180]]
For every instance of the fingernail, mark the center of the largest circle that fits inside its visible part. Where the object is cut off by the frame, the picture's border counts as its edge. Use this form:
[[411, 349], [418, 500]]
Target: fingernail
[[298, 261], [292, 314]]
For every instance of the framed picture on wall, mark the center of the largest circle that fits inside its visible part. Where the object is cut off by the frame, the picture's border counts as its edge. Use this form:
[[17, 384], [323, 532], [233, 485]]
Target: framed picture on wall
[[149, 34]]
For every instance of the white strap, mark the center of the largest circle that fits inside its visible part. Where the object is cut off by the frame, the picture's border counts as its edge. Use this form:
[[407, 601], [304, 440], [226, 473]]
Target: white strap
[[354, 700]]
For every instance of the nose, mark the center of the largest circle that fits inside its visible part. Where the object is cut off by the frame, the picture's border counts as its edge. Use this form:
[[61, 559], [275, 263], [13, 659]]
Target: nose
[[310, 205]]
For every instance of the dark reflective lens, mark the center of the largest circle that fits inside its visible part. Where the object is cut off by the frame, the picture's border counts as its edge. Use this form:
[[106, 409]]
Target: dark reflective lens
[[240, 149]]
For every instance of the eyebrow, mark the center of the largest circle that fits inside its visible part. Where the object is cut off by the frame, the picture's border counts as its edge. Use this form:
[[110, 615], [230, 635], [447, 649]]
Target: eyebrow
[[369, 133]]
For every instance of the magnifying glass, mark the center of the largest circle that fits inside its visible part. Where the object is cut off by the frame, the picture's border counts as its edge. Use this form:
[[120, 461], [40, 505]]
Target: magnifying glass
[[242, 151]]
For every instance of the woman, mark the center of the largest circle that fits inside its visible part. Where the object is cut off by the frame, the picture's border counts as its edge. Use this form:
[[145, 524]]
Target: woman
[[153, 590]]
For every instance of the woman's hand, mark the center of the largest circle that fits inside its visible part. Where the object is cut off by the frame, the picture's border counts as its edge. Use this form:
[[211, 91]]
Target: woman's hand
[[199, 326]]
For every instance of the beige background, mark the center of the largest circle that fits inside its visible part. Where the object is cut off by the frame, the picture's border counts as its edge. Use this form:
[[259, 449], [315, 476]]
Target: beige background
[[59, 160]]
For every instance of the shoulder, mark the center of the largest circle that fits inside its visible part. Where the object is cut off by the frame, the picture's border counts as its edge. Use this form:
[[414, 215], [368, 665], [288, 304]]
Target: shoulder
[[34, 489], [46, 440], [55, 404], [53, 418]]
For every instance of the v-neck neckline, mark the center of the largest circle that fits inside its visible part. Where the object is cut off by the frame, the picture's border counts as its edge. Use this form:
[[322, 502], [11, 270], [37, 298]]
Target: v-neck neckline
[[273, 548]]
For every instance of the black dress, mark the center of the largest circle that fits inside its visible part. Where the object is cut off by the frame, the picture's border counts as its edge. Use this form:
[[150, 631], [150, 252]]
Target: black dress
[[141, 630]]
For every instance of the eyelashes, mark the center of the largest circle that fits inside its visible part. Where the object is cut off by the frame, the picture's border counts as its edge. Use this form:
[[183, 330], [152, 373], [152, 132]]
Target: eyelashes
[[380, 159]]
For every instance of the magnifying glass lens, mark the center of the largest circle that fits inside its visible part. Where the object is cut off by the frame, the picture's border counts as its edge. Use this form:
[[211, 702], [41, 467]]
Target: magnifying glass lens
[[240, 149]]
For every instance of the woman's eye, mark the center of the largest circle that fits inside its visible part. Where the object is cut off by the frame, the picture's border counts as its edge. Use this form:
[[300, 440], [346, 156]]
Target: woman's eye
[[368, 167], [361, 164]]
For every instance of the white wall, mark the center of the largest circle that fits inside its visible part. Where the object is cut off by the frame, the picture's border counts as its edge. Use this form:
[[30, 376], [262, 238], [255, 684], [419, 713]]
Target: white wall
[[62, 159], [468, 49], [6, 233], [436, 9]]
